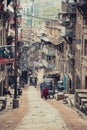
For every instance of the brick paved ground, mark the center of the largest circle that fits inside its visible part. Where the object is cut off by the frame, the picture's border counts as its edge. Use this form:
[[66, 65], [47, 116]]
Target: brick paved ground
[[10, 117]]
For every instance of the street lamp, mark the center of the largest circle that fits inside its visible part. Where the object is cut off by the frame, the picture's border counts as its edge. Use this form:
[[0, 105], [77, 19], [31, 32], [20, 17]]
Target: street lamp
[[15, 100]]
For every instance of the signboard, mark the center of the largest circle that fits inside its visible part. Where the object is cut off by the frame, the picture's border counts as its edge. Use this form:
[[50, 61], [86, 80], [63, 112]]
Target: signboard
[[6, 60]]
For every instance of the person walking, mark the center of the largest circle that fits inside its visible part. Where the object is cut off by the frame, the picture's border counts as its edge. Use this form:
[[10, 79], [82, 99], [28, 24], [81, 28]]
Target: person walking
[[45, 92]]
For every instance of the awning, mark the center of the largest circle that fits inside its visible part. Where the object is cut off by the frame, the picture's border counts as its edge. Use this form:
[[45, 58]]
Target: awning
[[6, 60], [46, 39], [54, 72], [57, 40]]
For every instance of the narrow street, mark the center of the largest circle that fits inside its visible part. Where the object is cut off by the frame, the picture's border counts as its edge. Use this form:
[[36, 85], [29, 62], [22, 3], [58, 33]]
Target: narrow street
[[43, 55], [50, 114], [35, 113], [41, 115]]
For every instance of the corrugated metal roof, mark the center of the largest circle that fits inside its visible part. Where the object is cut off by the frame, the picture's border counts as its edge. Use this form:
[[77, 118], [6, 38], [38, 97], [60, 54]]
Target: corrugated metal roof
[[55, 40]]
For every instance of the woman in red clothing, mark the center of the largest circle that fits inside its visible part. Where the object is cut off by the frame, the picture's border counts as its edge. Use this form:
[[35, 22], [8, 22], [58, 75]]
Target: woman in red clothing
[[45, 92]]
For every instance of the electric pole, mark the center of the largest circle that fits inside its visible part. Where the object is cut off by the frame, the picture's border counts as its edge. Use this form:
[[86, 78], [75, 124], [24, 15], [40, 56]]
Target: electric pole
[[15, 100]]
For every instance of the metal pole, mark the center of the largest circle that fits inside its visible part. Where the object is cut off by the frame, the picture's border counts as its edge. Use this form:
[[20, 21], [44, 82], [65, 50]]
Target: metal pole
[[15, 101], [16, 40]]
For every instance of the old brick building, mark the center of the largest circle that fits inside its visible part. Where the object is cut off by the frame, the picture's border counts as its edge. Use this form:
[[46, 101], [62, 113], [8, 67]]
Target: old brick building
[[61, 36], [7, 40], [81, 44]]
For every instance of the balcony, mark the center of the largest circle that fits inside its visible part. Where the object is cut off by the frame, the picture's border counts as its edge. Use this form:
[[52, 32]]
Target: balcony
[[49, 64], [64, 23], [66, 31], [66, 18], [49, 51]]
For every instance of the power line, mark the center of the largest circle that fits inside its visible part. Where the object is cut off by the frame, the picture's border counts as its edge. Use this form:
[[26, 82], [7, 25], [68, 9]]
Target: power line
[[41, 18], [36, 33], [3, 46], [32, 31]]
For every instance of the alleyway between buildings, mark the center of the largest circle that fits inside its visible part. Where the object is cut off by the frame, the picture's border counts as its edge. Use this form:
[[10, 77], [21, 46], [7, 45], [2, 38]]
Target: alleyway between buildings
[[35, 113], [41, 115], [50, 114]]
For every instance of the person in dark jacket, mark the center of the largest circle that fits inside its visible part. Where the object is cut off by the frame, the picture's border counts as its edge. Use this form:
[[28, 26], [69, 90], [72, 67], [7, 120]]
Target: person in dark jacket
[[41, 89]]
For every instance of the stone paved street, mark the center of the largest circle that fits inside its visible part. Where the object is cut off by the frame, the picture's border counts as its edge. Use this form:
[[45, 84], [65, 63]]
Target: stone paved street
[[35, 113], [41, 115], [11, 119]]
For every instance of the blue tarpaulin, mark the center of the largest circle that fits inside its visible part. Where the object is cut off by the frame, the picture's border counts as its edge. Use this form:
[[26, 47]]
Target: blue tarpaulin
[[65, 80]]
